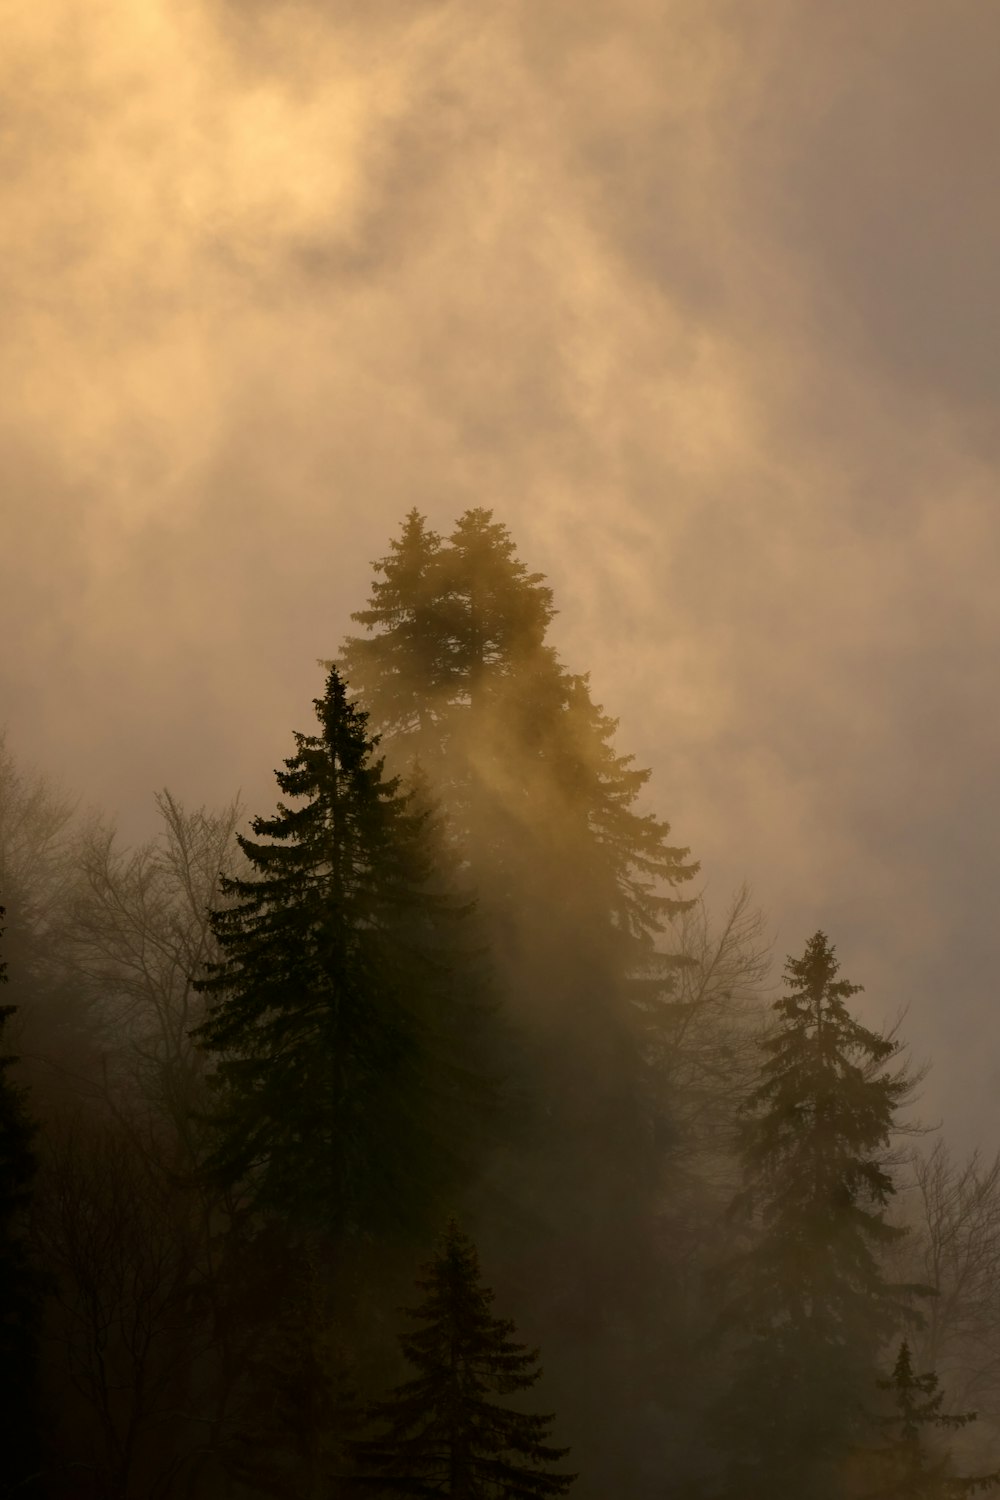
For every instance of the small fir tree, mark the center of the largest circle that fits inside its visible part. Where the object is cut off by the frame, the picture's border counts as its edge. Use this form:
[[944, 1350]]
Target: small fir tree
[[810, 1305], [905, 1465], [444, 1436], [346, 1010]]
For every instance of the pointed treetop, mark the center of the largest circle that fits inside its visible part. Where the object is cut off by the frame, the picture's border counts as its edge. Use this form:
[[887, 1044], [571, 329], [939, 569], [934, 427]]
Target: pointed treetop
[[906, 1464], [443, 1434], [816, 970]]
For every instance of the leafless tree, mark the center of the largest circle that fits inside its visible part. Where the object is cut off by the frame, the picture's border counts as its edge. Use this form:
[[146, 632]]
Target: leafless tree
[[139, 937], [955, 1249], [701, 1058], [35, 822], [703, 1041], [126, 1332]]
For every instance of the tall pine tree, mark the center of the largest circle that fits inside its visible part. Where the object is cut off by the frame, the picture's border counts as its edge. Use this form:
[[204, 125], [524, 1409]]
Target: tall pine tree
[[404, 670], [444, 1435], [344, 1013], [457, 674], [576, 884], [810, 1304], [577, 887]]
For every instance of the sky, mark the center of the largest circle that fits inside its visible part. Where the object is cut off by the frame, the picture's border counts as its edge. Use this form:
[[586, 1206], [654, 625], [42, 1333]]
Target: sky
[[699, 296]]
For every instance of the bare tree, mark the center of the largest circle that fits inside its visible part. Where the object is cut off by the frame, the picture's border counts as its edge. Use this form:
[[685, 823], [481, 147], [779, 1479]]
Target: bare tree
[[700, 1062], [35, 821], [139, 936], [955, 1249], [702, 1040], [35, 873], [132, 1367]]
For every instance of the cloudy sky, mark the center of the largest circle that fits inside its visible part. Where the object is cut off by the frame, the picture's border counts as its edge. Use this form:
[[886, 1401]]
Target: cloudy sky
[[700, 297]]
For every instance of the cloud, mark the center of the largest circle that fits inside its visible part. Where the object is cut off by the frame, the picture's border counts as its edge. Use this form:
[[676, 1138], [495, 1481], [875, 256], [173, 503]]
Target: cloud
[[698, 297]]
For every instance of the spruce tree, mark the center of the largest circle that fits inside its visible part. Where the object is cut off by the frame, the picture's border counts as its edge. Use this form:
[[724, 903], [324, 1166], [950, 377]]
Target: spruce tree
[[576, 885], [456, 673], [577, 888], [906, 1465], [809, 1302], [443, 1434], [410, 650], [20, 1283], [344, 1013]]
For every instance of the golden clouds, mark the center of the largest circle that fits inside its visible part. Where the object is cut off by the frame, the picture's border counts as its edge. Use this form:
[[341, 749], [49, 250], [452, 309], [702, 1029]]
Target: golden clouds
[[154, 180], [697, 295]]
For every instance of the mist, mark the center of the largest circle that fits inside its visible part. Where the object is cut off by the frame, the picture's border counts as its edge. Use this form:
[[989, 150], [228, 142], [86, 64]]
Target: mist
[[696, 300]]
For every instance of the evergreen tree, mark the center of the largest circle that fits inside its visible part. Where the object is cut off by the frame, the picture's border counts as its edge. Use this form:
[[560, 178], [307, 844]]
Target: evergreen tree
[[343, 1013], [444, 1435], [810, 1305], [577, 888], [905, 1466], [410, 653], [20, 1286], [456, 673]]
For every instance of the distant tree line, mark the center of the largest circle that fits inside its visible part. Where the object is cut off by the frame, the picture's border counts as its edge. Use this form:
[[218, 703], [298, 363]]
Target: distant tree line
[[457, 996]]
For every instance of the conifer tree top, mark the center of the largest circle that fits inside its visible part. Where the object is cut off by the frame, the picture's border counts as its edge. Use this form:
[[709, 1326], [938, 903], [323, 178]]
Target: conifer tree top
[[905, 1463], [457, 673], [809, 1298], [822, 1113], [341, 996], [443, 1434]]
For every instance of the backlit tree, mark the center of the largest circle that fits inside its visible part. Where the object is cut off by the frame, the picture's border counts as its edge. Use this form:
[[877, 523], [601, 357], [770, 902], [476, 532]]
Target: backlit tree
[[344, 1011], [810, 1303]]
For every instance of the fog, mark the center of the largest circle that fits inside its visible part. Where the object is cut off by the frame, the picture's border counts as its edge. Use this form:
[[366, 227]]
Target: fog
[[698, 298]]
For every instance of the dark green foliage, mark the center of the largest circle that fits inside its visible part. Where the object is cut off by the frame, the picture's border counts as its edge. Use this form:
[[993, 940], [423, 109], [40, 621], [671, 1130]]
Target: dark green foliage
[[905, 1465], [810, 1304], [443, 1434], [344, 1011], [20, 1286]]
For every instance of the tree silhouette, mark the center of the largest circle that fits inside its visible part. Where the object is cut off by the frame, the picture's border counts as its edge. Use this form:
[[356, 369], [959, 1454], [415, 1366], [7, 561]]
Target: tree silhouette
[[344, 1010], [809, 1303], [456, 673], [577, 887], [905, 1466], [443, 1434]]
